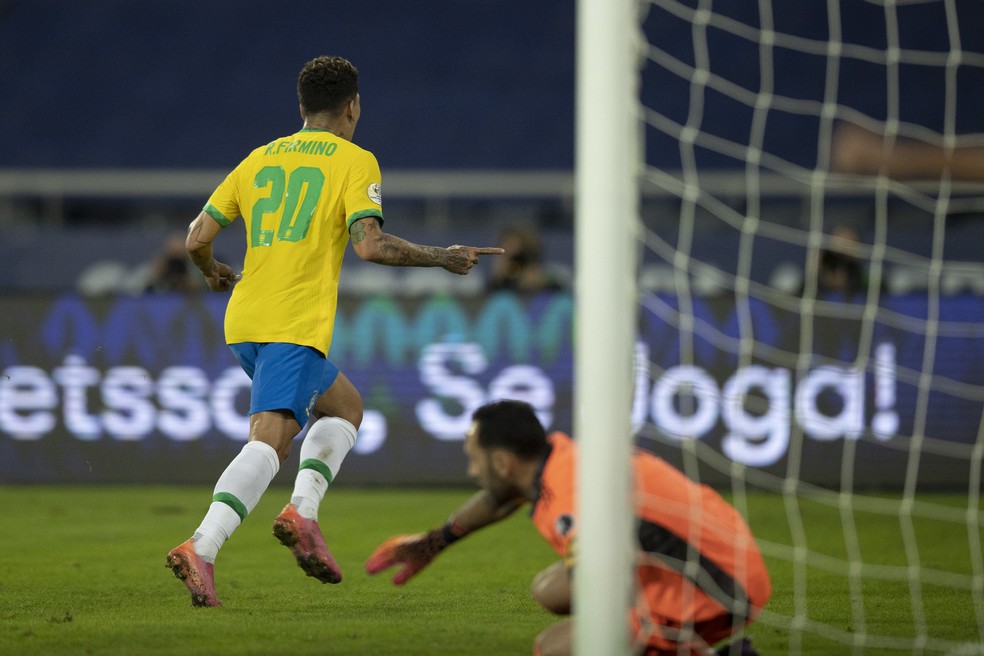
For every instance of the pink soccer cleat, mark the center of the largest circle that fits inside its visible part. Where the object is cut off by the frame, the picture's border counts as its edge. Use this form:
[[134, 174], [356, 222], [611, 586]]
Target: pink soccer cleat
[[198, 575], [304, 539]]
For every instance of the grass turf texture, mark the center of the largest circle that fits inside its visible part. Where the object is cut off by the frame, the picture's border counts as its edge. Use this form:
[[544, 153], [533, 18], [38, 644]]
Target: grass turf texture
[[82, 572]]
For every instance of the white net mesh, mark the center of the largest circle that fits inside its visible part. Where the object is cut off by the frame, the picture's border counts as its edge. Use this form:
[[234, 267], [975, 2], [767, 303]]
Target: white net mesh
[[812, 325]]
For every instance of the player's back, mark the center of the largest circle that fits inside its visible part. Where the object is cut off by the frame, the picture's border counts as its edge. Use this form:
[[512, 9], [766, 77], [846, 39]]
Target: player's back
[[680, 520], [297, 196]]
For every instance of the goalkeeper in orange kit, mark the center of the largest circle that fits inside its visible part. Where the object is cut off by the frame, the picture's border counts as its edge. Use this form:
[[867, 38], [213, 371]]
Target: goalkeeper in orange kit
[[679, 522]]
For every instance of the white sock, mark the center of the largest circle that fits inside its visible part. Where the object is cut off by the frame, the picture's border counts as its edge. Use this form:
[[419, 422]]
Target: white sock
[[237, 492], [327, 443]]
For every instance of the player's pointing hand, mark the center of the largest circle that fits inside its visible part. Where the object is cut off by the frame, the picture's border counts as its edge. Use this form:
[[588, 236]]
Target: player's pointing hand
[[462, 258]]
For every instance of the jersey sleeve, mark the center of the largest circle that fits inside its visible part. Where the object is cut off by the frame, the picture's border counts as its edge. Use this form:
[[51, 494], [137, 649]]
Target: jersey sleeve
[[363, 196], [554, 514], [223, 204]]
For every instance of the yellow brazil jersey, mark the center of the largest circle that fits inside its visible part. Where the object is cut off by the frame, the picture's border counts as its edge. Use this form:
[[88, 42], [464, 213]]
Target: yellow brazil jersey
[[298, 196]]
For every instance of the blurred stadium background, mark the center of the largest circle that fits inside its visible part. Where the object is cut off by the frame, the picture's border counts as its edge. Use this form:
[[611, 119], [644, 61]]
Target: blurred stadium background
[[118, 119]]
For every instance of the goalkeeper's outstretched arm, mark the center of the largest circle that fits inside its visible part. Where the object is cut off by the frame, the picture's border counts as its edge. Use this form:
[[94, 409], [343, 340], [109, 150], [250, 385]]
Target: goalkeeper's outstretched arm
[[483, 509], [414, 552]]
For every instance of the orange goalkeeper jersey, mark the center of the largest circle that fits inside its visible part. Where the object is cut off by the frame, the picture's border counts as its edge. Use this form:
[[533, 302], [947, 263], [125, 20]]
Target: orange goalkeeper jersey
[[679, 521]]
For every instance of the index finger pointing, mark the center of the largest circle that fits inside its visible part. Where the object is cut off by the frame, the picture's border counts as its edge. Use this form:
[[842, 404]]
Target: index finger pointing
[[490, 250]]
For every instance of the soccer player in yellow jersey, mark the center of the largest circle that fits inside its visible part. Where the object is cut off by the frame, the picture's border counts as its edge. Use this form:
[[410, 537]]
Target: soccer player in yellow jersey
[[302, 198]]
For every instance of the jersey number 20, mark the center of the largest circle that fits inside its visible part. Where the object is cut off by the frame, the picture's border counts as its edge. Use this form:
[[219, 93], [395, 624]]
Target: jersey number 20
[[293, 197]]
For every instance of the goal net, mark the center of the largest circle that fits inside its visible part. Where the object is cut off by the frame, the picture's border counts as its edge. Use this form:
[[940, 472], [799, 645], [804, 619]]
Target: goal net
[[811, 324]]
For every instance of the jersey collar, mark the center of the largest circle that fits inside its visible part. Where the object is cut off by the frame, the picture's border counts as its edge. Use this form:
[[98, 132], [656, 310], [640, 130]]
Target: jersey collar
[[538, 491]]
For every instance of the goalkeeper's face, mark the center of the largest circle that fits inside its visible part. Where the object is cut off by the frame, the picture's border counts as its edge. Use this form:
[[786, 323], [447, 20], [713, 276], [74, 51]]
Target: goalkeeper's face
[[490, 468]]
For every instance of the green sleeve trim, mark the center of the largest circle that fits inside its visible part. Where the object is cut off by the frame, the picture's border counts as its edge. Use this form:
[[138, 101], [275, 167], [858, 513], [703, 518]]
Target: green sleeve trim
[[317, 466], [230, 500], [216, 214], [363, 214]]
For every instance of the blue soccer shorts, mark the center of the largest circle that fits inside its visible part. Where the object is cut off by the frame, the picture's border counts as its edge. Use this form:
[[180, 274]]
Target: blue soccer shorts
[[285, 376]]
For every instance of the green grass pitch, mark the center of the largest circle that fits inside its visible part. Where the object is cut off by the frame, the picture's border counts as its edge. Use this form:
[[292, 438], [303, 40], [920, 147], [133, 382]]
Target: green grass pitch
[[82, 572]]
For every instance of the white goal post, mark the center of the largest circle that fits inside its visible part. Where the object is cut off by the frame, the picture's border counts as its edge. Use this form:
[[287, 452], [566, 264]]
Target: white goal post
[[606, 221]]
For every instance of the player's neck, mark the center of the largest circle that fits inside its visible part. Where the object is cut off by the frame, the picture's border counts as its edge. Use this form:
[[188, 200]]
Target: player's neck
[[529, 481], [327, 126]]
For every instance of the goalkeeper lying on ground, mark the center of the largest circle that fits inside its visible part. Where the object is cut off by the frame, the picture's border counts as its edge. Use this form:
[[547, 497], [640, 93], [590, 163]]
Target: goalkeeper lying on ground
[[513, 461]]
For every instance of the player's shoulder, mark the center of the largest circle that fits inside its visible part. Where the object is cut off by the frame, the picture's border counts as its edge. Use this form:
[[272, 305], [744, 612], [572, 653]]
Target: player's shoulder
[[563, 452], [261, 149], [354, 147], [559, 439], [355, 151]]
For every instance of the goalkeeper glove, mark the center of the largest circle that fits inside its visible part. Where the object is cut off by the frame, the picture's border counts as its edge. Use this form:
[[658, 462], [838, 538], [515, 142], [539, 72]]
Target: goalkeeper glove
[[414, 552]]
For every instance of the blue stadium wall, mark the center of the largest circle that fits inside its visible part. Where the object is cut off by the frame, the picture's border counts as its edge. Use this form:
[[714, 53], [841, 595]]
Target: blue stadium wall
[[184, 84], [445, 83]]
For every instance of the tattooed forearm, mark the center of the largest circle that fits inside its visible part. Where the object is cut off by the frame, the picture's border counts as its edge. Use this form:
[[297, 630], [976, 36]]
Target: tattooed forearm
[[399, 252], [381, 248]]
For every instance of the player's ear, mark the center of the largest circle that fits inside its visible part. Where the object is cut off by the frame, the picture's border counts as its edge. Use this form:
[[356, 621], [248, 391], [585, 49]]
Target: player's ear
[[502, 462], [352, 109]]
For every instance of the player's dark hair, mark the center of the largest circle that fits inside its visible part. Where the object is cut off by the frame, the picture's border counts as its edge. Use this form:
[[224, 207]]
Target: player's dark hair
[[326, 84], [513, 426]]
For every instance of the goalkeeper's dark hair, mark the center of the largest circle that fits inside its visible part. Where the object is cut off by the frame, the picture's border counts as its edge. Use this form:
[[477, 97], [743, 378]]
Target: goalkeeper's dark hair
[[326, 84], [513, 426]]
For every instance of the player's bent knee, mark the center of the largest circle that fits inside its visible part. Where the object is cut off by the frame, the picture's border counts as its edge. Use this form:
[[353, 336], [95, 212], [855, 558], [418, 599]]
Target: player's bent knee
[[341, 400], [552, 589]]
